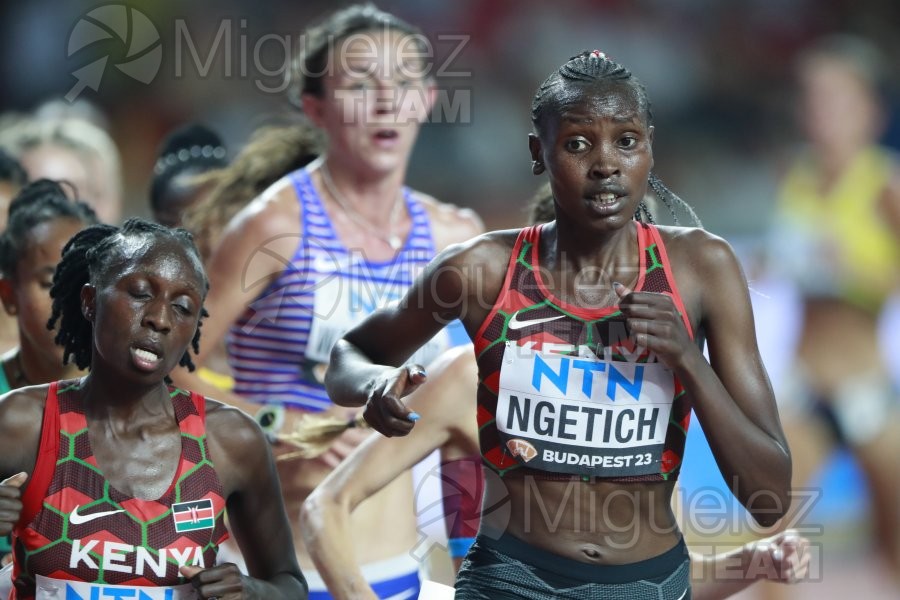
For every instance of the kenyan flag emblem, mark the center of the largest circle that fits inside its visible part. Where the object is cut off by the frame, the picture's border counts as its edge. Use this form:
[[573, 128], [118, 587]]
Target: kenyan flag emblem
[[189, 516]]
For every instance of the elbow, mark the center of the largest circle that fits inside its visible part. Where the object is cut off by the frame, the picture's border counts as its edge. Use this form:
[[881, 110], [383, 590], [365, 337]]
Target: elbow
[[311, 518], [768, 506], [767, 517], [771, 503], [318, 510], [334, 375]]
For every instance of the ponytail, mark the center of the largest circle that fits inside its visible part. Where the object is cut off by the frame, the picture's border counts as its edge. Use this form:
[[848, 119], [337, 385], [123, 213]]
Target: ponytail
[[272, 153], [314, 434]]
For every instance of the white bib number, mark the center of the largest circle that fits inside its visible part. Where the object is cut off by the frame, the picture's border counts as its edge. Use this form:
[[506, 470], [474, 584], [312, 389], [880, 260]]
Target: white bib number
[[563, 409]]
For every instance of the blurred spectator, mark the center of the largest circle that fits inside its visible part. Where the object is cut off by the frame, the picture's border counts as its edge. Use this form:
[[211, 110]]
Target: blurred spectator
[[187, 152], [838, 239], [12, 178], [73, 150]]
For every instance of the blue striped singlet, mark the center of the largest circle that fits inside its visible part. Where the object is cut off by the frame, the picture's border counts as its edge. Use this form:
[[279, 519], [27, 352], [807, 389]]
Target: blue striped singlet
[[279, 347]]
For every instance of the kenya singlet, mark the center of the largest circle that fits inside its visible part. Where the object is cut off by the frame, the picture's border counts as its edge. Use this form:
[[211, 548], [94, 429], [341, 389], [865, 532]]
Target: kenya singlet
[[81, 539], [562, 389]]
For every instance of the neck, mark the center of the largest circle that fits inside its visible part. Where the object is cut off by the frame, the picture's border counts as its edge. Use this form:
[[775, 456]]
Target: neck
[[835, 159], [582, 248], [373, 197], [120, 400], [585, 265]]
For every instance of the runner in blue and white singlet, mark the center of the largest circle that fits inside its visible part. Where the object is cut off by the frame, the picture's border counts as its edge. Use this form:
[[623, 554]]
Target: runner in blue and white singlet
[[324, 291]]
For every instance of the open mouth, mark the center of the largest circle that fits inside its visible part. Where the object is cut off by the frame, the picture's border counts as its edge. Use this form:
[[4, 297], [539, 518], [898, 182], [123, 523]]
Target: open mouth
[[386, 135], [144, 359], [605, 199]]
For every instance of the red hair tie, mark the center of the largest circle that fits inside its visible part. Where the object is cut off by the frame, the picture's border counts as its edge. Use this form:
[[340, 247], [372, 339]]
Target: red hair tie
[[598, 54]]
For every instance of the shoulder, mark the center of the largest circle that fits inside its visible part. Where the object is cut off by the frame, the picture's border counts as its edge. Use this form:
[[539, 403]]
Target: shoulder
[[263, 236], [482, 251], [19, 407], [21, 421], [237, 445], [269, 214], [232, 428], [706, 270], [450, 224], [698, 249]]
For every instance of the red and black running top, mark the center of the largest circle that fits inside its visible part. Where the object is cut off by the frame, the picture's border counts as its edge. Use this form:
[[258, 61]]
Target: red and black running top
[[75, 527], [563, 391]]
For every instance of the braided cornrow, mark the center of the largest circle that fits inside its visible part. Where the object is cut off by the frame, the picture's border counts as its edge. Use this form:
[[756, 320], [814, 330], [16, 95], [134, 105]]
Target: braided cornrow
[[37, 203], [587, 67], [671, 200], [87, 258], [72, 272], [595, 67]]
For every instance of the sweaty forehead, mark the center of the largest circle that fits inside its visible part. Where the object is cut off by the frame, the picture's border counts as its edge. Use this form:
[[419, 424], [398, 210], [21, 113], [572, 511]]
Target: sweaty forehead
[[163, 256], [616, 100]]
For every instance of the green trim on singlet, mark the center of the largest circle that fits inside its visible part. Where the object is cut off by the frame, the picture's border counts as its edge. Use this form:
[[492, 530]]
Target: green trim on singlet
[[4, 382]]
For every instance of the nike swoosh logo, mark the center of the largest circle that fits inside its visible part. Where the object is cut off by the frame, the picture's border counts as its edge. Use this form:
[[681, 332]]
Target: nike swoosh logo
[[515, 323], [78, 519]]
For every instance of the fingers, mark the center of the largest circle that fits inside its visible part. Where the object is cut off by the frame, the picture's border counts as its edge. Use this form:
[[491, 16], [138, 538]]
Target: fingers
[[621, 290], [16, 480], [222, 581], [389, 416], [794, 548], [788, 552], [189, 572], [10, 501], [647, 307], [417, 376], [385, 411]]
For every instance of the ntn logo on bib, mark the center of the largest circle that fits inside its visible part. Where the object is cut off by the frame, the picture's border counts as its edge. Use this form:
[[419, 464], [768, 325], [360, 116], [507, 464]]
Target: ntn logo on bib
[[48, 588]]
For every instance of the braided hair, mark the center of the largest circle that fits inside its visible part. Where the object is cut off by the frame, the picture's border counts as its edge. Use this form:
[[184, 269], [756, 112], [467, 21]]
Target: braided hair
[[36, 203], [87, 258], [188, 150], [559, 90], [11, 171]]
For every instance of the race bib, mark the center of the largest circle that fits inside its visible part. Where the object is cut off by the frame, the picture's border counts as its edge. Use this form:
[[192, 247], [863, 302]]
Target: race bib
[[342, 303], [61, 589], [566, 410]]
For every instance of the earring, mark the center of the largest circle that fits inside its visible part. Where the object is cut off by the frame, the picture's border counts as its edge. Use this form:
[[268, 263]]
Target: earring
[[537, 167]]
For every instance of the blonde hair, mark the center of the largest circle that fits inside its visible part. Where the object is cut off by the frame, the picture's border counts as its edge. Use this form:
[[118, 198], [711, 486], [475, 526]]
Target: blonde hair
[[315, 433], [87, 140]]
